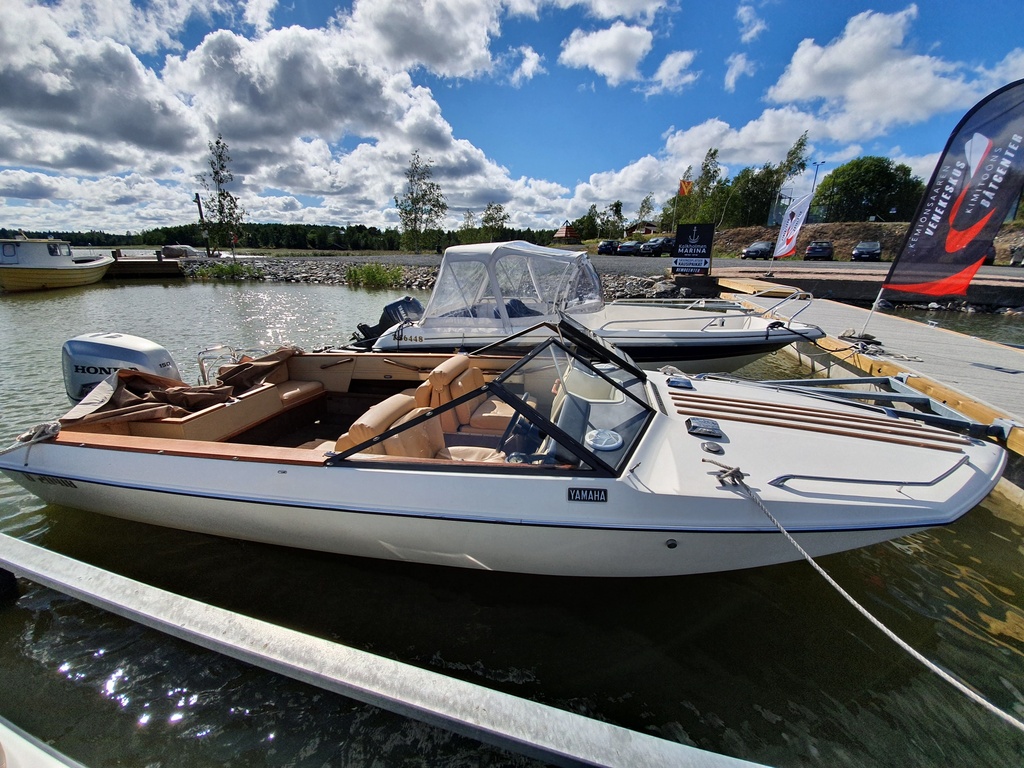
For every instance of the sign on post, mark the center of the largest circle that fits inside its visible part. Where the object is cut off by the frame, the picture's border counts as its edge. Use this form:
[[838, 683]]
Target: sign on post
[[693, 249]]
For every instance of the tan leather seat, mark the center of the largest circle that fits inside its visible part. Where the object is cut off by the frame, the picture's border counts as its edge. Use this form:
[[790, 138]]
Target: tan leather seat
[[426, 441], [481, 415], [375, 421]]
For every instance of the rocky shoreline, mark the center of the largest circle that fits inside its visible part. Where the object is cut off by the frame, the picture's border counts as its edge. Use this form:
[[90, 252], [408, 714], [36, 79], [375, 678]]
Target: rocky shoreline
[[419, 272], [421, 277]]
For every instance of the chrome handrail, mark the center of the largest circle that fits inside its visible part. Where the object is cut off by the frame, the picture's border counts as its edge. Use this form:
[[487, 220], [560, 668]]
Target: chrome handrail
[[781, 480]]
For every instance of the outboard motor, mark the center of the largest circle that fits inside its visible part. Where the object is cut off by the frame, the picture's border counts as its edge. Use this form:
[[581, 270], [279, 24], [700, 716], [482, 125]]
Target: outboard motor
[[405, 309], [90, 358]]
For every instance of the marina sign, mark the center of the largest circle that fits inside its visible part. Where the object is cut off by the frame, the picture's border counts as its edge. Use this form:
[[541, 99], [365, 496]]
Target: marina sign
[[693, 249]]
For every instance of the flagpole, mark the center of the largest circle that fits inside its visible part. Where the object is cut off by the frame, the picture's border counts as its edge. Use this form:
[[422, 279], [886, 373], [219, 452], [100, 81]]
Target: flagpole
[[874, 306]]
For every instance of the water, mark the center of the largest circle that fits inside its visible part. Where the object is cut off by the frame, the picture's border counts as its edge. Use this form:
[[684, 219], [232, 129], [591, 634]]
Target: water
[[1004, 328], [768, 665]]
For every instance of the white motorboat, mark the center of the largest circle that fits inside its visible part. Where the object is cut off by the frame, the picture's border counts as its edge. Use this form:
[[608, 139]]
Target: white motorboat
[[569, 460], [487, 292], [28, 264]]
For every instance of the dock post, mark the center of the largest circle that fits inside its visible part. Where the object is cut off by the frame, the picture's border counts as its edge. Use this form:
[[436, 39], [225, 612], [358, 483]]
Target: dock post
[[8, 587]]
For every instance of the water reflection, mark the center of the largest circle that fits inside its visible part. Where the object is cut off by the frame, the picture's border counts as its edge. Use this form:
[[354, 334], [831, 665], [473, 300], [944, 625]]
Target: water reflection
[[769, 665]]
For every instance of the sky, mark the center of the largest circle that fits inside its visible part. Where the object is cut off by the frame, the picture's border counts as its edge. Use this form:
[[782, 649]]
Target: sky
[[546, 107]]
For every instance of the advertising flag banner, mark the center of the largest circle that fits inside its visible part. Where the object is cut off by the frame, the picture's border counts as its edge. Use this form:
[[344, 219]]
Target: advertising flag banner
[[692, 255], [685, 187], [975, 186], [793, 219]]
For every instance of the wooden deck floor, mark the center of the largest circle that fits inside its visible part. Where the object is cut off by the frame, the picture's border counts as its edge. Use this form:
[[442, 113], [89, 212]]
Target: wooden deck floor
[[980, 378]]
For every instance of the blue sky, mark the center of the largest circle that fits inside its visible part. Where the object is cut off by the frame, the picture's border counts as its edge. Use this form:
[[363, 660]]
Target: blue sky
[[544, 106]]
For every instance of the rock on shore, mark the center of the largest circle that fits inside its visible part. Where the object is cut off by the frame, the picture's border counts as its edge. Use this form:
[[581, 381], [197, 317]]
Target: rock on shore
[[421, 277]]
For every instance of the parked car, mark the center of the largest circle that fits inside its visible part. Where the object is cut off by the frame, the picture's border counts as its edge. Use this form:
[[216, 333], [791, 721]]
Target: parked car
[[867, 250], [628, 248], [762, 249], [607, 246], [819, 250], [658, 246]]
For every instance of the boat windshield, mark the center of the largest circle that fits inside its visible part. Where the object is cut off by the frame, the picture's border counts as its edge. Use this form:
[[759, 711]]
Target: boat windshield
[[572, 412], [509, 285]]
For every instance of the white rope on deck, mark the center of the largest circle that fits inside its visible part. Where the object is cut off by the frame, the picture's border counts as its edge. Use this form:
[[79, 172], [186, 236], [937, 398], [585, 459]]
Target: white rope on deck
[[37, 434], [732, 476]]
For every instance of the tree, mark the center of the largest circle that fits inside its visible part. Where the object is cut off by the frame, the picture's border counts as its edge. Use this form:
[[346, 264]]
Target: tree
[[645, 211], [494, 221], [611, 220], [870, 186], [423, 206], [587, 225], [224, 214]]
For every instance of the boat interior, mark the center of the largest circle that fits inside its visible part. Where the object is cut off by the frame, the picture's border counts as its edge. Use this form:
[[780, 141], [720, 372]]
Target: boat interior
[[541, 410]]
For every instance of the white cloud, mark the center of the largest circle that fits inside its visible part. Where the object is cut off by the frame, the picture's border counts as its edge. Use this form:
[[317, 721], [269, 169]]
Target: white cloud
[[613, 53], [259, 14], [528, 68], [673, 74], [450, 37], [737, 65], [751, 25], [644, 10], [847, 78]]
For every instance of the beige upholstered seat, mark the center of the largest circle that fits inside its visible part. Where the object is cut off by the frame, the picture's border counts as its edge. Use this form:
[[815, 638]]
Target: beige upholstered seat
[[421, 441], [481, 415], [375, 421], [426, 441]]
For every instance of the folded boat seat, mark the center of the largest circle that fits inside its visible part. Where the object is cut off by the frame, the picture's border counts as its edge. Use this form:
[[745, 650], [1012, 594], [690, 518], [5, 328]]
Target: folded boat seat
[[291, 390], [482, 415], [426, 441], [375, 421]]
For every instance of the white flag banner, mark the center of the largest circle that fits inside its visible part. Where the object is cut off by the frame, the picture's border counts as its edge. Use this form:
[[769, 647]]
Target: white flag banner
[[791, 222]]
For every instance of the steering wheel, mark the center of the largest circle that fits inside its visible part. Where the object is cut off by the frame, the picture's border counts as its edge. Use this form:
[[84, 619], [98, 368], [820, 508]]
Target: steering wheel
[[530, 458], [519, 434]]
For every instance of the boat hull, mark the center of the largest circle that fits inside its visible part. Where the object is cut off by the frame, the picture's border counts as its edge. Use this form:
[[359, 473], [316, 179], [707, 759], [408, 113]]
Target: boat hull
[[488, 522], [15, 278], [709, 354], [490, 545]]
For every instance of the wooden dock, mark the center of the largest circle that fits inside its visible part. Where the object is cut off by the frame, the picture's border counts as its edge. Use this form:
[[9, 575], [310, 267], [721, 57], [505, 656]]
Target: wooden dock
[[982, 379], [143, 267]]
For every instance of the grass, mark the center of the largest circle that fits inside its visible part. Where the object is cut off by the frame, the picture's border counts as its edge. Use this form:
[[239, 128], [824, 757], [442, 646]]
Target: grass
[[374, 276], [228, 270]]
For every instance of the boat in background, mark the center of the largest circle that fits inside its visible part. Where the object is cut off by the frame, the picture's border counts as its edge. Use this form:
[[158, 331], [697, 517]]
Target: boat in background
[[568, 460], [28, 264], [489, 291], [184, 252]]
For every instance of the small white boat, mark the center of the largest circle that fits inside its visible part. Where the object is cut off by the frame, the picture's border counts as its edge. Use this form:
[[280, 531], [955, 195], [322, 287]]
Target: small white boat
[[490, 291], [569, 460], [184, 252], [36, 264]]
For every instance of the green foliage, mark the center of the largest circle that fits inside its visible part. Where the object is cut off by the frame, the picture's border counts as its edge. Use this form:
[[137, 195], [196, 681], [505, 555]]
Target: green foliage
[[423, 206], [374, 276], [744, 201], [494, 221], [645, 211], [587, 225], [224, 215], [869, 186], [228, 270]]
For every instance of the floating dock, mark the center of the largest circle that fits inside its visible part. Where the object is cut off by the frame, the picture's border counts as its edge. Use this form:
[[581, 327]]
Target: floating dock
[[991, 287], [143, 267], [536, 730], [981, 379]]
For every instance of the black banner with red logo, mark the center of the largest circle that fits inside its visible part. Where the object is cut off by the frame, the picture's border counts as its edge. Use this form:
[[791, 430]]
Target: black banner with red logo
[[975, 185]]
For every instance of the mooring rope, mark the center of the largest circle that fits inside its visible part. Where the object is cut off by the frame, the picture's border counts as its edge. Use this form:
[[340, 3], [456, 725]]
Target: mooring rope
[[732, 476], [37, 434]]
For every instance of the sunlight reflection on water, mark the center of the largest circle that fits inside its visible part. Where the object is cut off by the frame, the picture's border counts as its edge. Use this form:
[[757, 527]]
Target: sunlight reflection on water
[[768, 665]]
